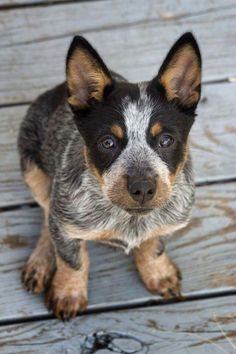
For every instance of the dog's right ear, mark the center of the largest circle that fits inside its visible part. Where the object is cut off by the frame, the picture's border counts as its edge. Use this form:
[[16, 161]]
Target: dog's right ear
[[180, 73], [87, 75]]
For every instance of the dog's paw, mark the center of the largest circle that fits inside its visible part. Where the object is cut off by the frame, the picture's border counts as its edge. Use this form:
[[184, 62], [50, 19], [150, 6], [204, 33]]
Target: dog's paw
[[65, 307], [37, 274], [65, 300], [161, 275]]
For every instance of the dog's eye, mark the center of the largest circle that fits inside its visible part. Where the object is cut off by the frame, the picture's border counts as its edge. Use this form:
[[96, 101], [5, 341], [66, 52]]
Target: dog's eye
[[165, 141], [107, 142]]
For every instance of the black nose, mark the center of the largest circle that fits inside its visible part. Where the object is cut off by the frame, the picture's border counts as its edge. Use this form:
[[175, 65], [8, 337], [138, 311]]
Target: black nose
[[141, 190]]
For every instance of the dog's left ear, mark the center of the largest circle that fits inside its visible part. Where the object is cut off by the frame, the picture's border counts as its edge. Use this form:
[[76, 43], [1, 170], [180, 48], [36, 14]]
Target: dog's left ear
[[87, 75], [180, 73]]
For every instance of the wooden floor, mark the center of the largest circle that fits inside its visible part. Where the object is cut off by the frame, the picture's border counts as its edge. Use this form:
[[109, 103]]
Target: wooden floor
[[122, 315]]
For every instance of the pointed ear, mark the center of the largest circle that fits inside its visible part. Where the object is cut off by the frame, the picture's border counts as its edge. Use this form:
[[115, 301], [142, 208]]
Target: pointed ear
[[87, 75], [180, 73]]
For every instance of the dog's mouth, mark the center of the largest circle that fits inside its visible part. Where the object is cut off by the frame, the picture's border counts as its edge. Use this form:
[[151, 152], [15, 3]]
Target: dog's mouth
[[138, 211]]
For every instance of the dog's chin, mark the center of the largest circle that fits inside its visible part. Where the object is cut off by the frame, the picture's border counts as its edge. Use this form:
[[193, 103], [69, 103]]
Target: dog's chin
[[139, 211]]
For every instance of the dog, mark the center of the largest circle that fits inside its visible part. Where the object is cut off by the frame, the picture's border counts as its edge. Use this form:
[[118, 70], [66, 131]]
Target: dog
[[109, 161]]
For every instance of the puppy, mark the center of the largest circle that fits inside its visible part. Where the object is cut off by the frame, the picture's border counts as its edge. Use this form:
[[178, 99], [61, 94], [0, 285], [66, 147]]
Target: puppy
[[109, 161]]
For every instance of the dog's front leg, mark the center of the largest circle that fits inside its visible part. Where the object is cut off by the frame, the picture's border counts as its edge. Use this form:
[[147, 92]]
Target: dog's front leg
[[158, 272], [67, 294]]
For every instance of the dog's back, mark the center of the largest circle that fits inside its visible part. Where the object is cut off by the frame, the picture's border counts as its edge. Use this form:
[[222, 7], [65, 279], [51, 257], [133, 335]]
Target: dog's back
[[45, 131]]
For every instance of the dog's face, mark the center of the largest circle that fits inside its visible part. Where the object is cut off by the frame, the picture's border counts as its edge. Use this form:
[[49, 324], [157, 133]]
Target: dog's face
[[135, 134]]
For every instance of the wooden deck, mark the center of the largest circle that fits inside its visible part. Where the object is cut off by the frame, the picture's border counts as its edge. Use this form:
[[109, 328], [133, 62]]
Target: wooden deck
[[122, 315]]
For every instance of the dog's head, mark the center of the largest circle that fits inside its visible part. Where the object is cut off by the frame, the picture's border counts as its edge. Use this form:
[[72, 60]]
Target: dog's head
[[135, 134]]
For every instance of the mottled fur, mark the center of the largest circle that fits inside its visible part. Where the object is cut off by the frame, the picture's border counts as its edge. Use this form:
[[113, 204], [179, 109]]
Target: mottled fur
[[88, 188]]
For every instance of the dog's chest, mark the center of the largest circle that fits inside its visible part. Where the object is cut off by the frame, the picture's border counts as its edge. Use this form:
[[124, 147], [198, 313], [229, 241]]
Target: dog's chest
[[116, 243]]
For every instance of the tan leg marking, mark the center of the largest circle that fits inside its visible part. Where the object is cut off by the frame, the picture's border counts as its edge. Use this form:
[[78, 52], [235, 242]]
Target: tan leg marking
[[40, 267], [39, 183], [68, 292], [159, 273]]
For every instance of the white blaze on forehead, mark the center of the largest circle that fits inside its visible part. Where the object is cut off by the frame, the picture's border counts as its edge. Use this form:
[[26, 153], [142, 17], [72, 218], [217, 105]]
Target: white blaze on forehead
[[137, 115]]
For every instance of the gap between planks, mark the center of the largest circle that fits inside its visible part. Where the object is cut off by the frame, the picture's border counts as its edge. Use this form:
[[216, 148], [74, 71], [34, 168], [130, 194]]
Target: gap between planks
[[197, 327], [129, 305], [40, 3]]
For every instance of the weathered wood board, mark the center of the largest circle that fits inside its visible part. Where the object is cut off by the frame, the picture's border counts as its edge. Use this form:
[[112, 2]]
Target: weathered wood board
[[213, 142], [33, 55], [88, 16], [12, 188], [206, 326], [133, 39], [15, 3], [204, 251]]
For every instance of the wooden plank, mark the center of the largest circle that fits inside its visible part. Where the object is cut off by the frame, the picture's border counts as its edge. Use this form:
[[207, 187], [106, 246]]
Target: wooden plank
[[213, 137], [213, 140], [89, 16], [206, 326], [12, 188], [6, 4], [35, 40], [205, 251]]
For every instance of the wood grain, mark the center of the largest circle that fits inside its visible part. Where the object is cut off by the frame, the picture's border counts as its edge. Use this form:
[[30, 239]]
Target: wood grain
[[66, 19], [35, 40], [133, 39], [205, 326], [205, 251], [213, 136], [8, 4], [12, 188], [213, 141]]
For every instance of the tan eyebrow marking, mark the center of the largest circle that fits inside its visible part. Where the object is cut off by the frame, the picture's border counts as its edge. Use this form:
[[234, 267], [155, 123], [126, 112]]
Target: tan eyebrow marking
[[156, 129], [117, 131]]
